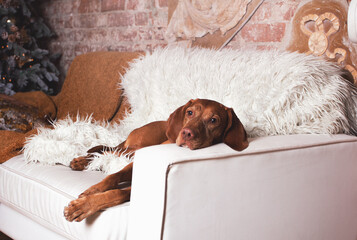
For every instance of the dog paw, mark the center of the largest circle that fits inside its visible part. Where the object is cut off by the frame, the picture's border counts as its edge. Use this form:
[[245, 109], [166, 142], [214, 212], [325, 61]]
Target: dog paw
[[78, 209], [80, 163]]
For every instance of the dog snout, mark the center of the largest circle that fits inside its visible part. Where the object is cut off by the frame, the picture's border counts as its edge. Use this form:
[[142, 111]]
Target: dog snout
[[187, 134]]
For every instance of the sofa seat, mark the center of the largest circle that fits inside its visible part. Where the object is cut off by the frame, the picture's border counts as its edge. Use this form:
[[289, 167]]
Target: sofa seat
[[40, 192], [280, 187]]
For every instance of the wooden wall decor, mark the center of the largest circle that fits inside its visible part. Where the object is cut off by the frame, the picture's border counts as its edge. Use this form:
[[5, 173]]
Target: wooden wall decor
[[217, 40], [319, 28]]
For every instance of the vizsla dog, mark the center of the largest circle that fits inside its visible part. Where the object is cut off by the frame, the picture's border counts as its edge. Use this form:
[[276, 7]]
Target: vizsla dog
[[199, 123]]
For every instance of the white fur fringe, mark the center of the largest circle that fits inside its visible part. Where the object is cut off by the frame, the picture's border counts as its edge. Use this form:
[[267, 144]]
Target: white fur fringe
[[72, 138]]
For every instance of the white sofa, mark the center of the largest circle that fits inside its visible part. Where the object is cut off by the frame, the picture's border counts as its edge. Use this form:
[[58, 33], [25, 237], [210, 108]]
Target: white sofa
[[292, 186], [281, 187]]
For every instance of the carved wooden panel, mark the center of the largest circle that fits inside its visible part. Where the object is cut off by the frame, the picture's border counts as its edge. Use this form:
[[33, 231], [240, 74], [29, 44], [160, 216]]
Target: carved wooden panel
[[319, 28]]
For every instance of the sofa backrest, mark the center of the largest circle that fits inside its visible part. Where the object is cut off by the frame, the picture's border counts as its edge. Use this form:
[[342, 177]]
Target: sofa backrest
[[91, 85]]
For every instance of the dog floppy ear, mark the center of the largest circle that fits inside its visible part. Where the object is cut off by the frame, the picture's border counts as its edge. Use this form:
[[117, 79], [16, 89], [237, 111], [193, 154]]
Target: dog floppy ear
[[235, 135], [175, 122]]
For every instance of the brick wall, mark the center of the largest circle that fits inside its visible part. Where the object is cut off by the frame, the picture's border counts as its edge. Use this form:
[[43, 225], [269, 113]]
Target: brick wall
[[114, 25], [131, 25]]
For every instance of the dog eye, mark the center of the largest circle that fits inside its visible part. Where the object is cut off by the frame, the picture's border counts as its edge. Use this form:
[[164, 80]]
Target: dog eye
[[189, 113], [213, 120]]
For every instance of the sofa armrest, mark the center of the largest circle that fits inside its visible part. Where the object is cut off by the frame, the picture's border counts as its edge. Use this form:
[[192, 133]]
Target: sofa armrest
[[152, 166], [282, 187]]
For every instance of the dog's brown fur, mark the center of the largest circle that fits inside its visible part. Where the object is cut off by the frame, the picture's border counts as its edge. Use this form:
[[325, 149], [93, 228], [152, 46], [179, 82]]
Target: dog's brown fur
[[199, 123]]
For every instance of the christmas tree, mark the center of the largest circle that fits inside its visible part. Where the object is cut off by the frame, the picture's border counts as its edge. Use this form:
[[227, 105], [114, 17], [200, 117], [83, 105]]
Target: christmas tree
[[24, 65]]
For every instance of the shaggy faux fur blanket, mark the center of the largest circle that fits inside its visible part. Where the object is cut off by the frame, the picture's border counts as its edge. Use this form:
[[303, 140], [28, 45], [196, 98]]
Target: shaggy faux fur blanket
[[272, 93]]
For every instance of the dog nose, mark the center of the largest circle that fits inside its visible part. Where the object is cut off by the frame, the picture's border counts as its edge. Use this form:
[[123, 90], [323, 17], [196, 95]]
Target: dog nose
[[187, 134]]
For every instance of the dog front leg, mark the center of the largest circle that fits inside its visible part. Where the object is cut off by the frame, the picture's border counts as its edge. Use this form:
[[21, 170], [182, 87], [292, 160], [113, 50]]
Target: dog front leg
[[81, 208], [110, 182]]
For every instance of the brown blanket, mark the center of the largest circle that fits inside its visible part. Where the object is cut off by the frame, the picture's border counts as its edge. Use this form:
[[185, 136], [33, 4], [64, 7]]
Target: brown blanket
[[11, 143]]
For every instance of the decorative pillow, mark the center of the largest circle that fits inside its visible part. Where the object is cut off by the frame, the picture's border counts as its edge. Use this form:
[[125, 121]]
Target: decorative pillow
[[19, 117], [272, 93]]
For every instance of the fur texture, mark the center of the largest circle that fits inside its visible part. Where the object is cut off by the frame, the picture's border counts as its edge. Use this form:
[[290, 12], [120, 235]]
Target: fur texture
[[272, 93]]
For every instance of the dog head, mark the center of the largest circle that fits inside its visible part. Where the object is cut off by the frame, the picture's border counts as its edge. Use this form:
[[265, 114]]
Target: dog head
[[201, 123]]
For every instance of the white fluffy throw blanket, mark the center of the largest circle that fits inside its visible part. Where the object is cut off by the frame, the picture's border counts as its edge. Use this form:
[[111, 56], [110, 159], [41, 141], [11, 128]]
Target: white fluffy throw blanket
[[272, 93]]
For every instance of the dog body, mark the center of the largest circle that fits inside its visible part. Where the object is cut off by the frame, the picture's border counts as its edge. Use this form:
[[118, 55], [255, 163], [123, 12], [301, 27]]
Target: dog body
[[199, 123]]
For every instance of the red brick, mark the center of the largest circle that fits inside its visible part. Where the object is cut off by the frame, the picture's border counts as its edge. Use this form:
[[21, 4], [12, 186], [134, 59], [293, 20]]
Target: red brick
[[68, 21], [274, 12], [120, 19], [140, 4], [141, 19], [102, 20], [100, 47], [264, 32], [65, 7], [95, 35], [132, 5], [263, 13], [85, 21], [121, 48], [144, 34], [88, 6], [124, 35], [130, 36], [112, 5], [159, 18], [290, 13], [81, 48], [159, 33], [79, 35], [65, 35]]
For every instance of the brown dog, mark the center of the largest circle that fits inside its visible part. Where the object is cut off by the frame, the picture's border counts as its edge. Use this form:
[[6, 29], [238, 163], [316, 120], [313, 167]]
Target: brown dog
[[199, 123]]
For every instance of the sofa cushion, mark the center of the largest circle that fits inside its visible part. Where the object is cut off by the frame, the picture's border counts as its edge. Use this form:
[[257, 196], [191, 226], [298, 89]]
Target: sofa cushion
[[41, 193], [91, 85]]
